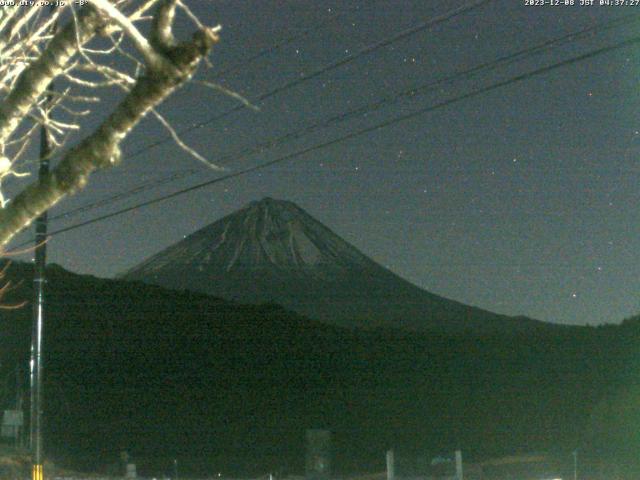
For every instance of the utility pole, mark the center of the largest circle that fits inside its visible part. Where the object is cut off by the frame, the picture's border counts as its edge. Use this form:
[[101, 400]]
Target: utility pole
[[575, 464], [459, 474], [39, 282], [20, 429], [391, 465]]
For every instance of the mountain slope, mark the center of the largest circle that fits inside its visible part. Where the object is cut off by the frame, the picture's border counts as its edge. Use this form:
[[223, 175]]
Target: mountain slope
[[273, 251]]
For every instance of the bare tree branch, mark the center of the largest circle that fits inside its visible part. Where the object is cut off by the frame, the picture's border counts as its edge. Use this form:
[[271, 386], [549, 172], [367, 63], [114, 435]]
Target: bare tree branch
[[151, 57], [101, 148], [35, 79]]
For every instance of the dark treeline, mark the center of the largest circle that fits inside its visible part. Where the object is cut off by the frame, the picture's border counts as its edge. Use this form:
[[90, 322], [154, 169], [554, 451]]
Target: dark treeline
[[231, 388]]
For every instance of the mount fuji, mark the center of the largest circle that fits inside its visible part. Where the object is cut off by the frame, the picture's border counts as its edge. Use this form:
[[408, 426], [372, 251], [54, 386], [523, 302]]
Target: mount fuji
[[272, 251]]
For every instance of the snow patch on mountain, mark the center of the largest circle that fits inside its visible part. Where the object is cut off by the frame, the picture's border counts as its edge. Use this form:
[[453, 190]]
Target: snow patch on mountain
[[269, 233]]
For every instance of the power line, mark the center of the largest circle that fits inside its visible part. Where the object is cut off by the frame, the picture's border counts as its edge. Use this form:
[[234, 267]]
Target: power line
[[363, 110], [422, 111], [350, 58], [244, 63], [283, 43], [123, 195], [366, 50], [264, 52]]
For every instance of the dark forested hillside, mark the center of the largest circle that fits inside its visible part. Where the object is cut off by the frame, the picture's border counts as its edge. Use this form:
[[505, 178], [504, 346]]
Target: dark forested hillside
[[231, 388]]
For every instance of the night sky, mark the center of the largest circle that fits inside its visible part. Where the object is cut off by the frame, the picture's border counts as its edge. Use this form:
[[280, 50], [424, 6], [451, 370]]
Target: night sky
[[521, 200]]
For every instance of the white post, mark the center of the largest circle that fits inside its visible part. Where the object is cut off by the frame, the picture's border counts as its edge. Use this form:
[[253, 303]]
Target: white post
[[459, 475], [391, 474]]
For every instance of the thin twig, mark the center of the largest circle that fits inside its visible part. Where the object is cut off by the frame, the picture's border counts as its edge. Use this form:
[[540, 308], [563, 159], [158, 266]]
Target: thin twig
[[230, 93]]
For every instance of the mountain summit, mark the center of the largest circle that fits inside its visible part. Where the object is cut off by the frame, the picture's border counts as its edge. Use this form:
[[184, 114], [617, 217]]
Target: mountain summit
[[273, 251]]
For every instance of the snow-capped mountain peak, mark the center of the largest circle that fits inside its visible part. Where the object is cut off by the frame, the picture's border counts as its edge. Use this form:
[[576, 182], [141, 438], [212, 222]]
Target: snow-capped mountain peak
[[273, 251]]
